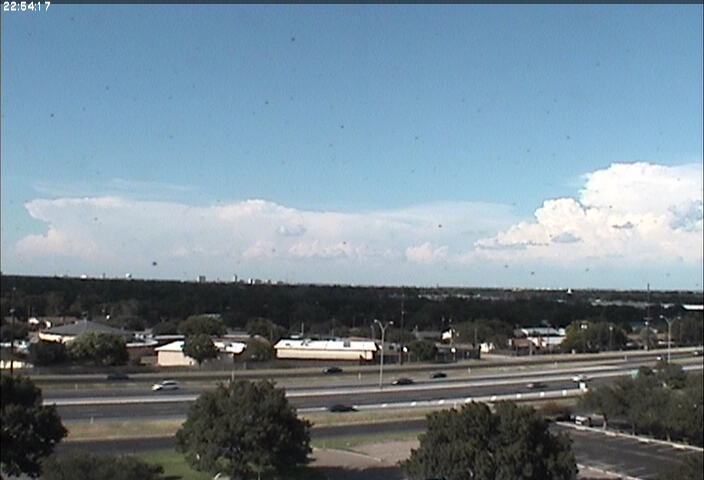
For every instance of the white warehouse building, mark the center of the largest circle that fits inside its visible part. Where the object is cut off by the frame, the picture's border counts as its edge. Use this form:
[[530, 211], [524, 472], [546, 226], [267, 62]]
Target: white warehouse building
[[338, 349]]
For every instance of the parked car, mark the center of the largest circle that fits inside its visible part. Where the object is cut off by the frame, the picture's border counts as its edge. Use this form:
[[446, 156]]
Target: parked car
[[535, 386], [331, 370], [439, 375], [403, 381], [166, 385], [117, 376], [341, 407]]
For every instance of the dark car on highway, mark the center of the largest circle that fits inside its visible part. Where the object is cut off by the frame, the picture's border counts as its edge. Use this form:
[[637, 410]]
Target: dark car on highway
[[403, 381], [536, 386], [330, 370], [439, 375], [340, 407]]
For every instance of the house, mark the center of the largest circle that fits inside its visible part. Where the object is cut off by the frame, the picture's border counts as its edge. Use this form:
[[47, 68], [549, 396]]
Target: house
[[67, 333], [336, 349], [48, 322], [546, 338], [171, 354]]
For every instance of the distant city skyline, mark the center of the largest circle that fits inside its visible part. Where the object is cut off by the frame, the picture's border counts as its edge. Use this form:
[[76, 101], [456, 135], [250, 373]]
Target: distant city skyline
[[533, 146]]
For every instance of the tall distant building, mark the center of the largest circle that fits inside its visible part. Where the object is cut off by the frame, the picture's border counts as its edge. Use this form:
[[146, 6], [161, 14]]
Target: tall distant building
[[201, 279]]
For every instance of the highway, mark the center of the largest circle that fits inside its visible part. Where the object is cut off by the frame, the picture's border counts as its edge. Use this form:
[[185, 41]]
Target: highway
[[131, 404]]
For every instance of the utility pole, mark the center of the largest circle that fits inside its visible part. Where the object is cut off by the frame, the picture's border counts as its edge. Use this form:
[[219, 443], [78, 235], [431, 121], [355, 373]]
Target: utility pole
[[403, 314], [647, 320], [12, 333], [383, 328]]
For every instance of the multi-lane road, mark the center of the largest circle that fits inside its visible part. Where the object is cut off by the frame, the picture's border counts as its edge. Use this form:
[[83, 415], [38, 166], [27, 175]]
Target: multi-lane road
[[139, 403]]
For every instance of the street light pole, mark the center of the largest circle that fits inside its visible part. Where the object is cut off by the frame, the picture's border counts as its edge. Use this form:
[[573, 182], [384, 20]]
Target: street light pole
[[382, 327], [669, 335]]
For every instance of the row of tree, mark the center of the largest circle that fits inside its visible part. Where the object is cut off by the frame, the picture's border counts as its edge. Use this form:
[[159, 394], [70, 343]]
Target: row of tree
[[91, 348], [664, 403], [319, 309]]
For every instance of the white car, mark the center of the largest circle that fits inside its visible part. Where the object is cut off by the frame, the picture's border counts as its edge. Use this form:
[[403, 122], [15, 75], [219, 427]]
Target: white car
[[579, 378], [165, 385]]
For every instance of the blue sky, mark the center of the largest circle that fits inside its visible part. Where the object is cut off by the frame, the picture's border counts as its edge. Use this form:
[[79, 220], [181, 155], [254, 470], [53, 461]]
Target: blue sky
[[381, 144]]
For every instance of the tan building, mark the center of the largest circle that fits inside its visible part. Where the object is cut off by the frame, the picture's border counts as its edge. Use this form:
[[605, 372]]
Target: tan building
[[171, 354], [340, 349]]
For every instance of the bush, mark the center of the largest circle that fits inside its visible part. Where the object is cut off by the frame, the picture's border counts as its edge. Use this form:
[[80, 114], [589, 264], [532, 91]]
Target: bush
[[89, 466]]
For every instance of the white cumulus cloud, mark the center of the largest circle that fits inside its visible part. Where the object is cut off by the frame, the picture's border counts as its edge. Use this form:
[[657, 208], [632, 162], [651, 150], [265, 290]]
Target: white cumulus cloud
[[635, 212]]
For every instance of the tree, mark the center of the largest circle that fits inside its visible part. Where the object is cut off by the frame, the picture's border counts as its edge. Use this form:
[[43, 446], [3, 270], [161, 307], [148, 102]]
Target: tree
[[423, 350], [672, 375], [587, 336], [244, 428], [202, 324], [103, 349], [264, 327], [13, 331], [259, 350], [200, 347], [473, 443], [165, 327], [47, 353], [88, 466], [29, 430]]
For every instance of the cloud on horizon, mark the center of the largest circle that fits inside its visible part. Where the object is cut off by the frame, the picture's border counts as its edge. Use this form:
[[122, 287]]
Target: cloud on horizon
[[637, 212]]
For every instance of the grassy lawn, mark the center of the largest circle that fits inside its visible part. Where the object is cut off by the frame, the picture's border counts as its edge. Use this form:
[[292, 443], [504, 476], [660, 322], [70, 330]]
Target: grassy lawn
[[176, 468], [350, 442], [117, 430]]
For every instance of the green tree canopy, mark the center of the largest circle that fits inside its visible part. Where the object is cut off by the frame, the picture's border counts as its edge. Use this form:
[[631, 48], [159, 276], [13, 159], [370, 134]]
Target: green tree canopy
[[264, 327], [485, 330], [688, 330], [103, 349], [473, 443], [13, 331], [672, 375], [649, 405], [587, 336], [423, 350], [89, 466], [165, 327], [243, 429], [258, 350], [200, 347], [29, 430], [47, 353], [202, 324]]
